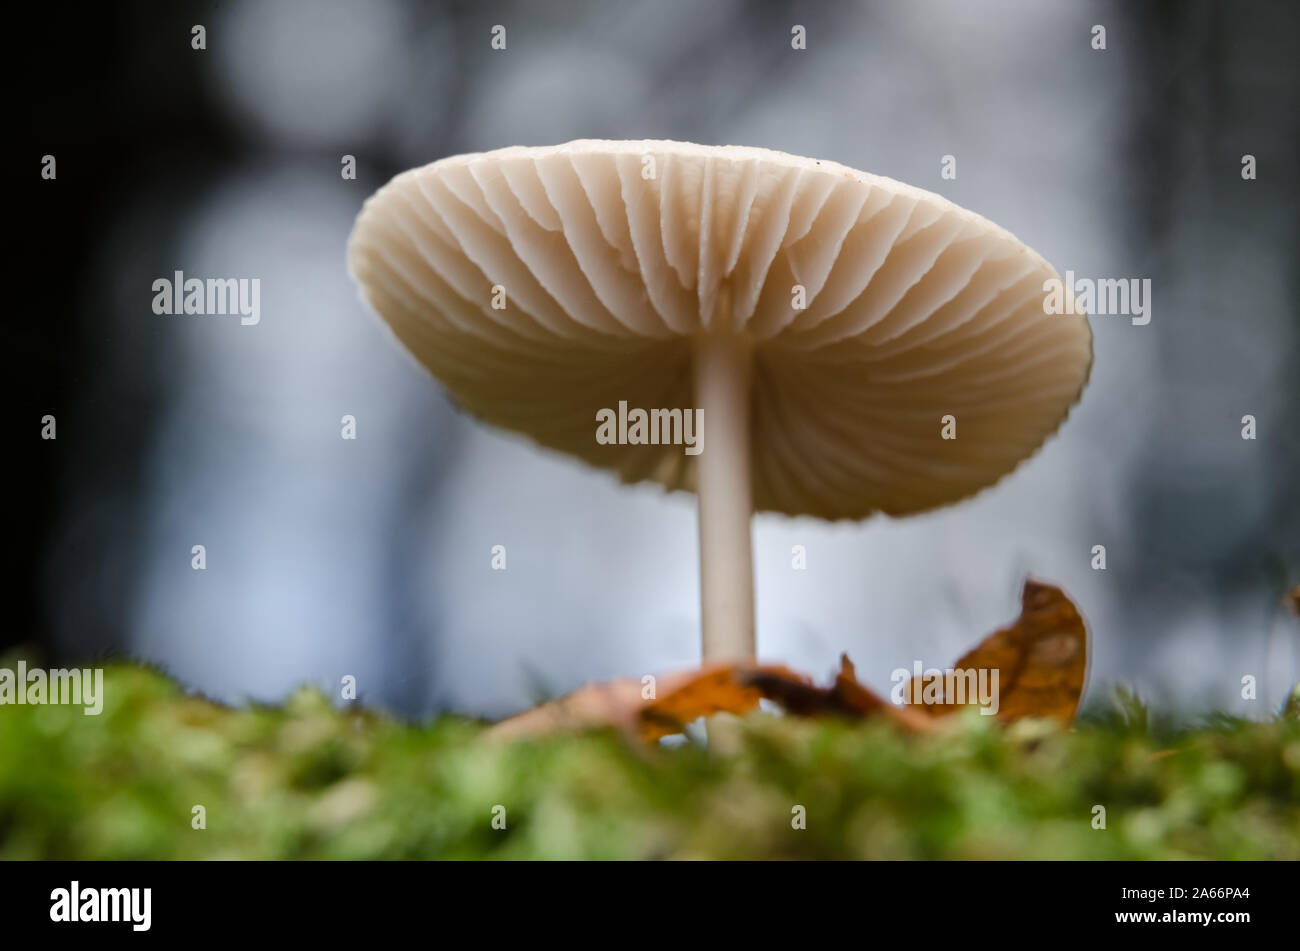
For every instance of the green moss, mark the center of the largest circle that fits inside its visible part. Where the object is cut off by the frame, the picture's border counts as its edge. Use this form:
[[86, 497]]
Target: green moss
[[307, 780]]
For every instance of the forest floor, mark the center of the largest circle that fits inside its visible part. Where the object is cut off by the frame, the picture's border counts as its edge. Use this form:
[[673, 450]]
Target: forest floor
[[310, 780]]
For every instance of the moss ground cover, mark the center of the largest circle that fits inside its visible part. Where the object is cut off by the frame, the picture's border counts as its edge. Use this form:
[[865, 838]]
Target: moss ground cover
[[309, 780]]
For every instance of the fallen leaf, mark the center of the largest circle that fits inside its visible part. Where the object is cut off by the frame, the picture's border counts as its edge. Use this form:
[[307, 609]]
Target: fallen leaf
[[720, 689], [595, 705], [1041, 660], [681, 698], [846, 697], [1292, 599]]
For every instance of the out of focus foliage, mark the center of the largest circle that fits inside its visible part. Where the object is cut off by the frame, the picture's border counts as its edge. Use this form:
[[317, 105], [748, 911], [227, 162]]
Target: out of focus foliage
[[307, 780]]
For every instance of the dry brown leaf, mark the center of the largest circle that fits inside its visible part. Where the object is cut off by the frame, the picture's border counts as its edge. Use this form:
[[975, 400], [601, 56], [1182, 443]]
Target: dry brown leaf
[[846, 697], [1041, 659], [719, 689], [595, 705], [1292, 599], [688, 695], [681, 698]]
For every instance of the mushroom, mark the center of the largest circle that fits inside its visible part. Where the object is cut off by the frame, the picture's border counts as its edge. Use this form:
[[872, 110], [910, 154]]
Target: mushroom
[[834, 330]]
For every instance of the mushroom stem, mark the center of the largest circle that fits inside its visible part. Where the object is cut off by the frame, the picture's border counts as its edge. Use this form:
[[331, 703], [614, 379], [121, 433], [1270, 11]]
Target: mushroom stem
[[722, 389]]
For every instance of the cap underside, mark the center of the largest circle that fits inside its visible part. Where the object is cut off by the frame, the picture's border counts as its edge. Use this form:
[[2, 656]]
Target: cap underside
[[541, 285]]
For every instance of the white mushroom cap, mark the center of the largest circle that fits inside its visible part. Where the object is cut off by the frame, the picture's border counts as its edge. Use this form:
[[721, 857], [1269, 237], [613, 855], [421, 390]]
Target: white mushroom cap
[[826, 323], [617, 258]]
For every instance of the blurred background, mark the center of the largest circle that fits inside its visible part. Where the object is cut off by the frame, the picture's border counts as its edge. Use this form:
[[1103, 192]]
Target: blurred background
[[327, 557]]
